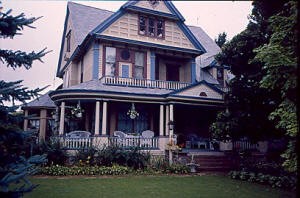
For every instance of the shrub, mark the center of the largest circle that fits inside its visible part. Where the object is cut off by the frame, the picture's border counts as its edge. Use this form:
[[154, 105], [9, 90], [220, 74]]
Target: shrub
[[288, 182], [85, 157], [55, 153], [132, 157], [58, 170]]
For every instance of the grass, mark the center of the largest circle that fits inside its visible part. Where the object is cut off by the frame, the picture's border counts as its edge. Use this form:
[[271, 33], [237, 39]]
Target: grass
[[152, 186]]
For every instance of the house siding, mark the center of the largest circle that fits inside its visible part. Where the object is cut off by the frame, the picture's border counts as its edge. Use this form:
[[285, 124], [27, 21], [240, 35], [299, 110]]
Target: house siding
[[66, 54], [88, 65], [127, 27], [161, 7]]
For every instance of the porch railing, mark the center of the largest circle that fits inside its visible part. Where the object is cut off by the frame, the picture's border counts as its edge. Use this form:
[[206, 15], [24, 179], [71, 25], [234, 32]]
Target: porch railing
[[143, 143], [244, 145], [145, 83], [73, 143]]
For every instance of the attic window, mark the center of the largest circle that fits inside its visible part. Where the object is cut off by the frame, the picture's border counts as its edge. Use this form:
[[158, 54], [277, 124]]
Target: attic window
[[152, 27], [203, 94], [68, 41]]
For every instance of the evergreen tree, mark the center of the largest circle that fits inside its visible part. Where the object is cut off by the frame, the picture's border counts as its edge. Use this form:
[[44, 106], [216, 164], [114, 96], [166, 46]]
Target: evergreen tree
[[14, 166], [263, 58], [221, 40], [249, 104], [279, 60]]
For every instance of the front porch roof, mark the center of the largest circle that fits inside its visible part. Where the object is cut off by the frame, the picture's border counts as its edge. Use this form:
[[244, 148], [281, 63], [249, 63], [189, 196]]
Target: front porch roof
[[43, 101], [96, 89]]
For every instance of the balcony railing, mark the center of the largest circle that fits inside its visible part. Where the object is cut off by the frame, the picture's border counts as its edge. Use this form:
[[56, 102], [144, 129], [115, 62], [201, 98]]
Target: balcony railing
[[145, 83]]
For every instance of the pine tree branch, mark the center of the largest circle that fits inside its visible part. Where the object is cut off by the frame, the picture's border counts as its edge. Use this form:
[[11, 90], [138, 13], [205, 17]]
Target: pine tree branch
[[10, 25], [15, 91], [16, 59]]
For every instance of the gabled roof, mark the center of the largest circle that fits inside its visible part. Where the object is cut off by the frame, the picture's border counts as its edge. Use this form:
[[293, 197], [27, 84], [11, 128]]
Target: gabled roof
[[42, 101], [85, 19], [208, 43], [89, 20]]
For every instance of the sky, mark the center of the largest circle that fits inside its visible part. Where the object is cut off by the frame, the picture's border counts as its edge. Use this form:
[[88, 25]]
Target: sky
[[213, 17]]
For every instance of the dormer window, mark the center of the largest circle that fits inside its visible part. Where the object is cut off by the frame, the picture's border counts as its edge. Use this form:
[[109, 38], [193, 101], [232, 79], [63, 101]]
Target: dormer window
[[68, 37], [152, 27]]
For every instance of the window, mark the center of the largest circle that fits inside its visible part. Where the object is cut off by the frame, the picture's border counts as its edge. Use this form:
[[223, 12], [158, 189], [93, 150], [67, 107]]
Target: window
[[160, 28], [81, 71], [110, 61], [220, 75], [139, 65], [153, 27], [68, 41], [142, 26]]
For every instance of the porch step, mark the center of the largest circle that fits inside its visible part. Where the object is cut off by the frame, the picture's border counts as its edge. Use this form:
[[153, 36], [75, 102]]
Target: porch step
[[214, 163]]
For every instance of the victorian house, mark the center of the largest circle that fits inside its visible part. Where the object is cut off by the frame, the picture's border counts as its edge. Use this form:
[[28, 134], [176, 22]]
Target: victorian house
[[138, 69]]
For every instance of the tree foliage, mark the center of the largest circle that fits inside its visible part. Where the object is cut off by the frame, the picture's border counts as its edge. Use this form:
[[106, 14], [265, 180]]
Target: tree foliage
[[262, 100], [279, 59], [15, 166], [221, 40]]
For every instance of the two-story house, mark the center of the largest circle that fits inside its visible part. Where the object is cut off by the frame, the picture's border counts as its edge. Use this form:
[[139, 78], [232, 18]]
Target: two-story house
[[137, 69]]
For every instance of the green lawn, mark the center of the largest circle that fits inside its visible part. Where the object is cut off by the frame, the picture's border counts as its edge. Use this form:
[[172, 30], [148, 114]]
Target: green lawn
[[152, 186]]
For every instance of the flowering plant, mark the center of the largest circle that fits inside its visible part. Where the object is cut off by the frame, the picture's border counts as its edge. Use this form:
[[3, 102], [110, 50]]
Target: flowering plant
[[172, 146]]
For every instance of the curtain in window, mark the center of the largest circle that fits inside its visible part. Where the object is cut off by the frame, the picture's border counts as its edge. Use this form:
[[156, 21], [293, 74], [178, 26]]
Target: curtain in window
[[110, 61], [138, 125], [139, 65]]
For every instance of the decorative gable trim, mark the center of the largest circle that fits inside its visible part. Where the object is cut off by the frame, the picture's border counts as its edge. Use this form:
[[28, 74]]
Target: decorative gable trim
[[196, 84]]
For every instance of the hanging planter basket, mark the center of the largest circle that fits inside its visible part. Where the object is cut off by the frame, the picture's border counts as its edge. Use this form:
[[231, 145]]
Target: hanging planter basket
[[132, 112]]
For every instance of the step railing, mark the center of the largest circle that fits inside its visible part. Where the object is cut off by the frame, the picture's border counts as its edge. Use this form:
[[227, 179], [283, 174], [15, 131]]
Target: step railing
[[129, 142], [145, 83]]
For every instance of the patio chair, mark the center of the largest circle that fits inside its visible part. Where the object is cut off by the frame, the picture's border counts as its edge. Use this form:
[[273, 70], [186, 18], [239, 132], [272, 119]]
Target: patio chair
[[120, 134], [147, 134], [78, 134]]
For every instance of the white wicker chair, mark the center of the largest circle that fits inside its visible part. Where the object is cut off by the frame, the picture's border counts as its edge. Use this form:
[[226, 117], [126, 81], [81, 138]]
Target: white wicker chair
[[147, 134]]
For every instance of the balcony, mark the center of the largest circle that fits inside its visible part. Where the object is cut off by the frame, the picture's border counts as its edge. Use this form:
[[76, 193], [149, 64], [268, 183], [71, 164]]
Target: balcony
[[144, 83]]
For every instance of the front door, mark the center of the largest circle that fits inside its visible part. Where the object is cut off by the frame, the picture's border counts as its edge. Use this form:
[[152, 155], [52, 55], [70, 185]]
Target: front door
[[172, 72]]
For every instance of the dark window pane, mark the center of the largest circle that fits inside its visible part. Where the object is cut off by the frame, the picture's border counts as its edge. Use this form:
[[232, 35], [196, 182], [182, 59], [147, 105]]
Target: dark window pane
[[151, 28], [142, 24], [160, 30]]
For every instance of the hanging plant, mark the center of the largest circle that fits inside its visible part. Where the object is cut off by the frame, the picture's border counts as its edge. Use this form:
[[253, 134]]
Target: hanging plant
[[77, 111], [132, 113]]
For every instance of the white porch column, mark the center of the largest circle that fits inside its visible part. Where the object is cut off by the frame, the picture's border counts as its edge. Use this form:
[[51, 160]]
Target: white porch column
[[104, 119], [171, 133], [167, 120], [161, 120], [25, 127], [62, 118], [43, 124], [97, 118]]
